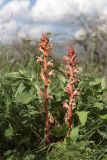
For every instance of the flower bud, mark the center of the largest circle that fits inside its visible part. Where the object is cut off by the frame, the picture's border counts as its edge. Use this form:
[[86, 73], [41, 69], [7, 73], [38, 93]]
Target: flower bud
[[50, 96], [50, 63], [40, 93], [65, 105], [68, 88], [65, 58], [75, 93], [39, 60], [51, 73]]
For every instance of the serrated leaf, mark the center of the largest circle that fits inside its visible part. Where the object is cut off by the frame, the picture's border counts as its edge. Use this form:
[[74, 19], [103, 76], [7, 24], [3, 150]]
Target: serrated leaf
[[74, 134], [82, 117]]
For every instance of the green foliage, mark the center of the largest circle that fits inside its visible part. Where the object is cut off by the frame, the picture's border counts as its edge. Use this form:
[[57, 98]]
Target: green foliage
[[104, 116], [78, 151], [74, 134], [9, 133], [59, 131], [82, 117], [22, 117]]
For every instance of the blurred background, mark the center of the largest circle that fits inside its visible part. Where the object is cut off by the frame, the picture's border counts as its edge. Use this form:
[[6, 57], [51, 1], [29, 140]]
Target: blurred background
[[81, 24]]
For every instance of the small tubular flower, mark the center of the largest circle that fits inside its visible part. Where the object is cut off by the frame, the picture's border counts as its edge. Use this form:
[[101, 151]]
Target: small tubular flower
[[51, 73], [50, 63], [65, 105], [39, 60]]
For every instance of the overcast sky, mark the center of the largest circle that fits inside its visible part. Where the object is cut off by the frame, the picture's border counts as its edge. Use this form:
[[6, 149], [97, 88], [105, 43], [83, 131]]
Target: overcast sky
[[29, 18]]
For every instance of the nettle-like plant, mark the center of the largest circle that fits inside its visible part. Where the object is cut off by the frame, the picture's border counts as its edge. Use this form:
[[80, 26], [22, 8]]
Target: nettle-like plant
[[45, 75], [71, 73]]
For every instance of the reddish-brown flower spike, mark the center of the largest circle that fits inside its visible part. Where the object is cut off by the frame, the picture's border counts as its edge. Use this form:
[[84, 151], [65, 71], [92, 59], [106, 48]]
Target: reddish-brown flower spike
[[71, 53], [45, 74], [44, 42], [71, 73]]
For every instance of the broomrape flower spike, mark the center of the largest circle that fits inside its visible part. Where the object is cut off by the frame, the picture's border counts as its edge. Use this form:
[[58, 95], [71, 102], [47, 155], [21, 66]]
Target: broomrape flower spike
[[45, 74], [71, 73]]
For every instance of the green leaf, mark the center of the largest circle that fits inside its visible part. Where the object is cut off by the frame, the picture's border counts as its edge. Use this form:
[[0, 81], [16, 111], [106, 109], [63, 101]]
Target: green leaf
[[81, 84], [97, 81], [63, 79], [11, 75], [33, 113], [21, 69], [74, 134], [104, 116], [103, 134], [20, 89], [25, 97], [59, 95], [82, 117], [103, 83], [91, 99], [98, 105], [8, 133], [29, 157]]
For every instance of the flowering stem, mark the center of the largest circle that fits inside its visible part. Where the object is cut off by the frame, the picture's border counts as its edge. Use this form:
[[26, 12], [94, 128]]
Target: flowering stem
[[70, 72], [45, 46]]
